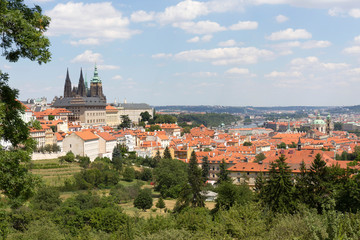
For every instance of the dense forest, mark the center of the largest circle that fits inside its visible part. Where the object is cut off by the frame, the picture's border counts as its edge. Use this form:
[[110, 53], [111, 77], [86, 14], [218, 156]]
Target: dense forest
[[208, 119]]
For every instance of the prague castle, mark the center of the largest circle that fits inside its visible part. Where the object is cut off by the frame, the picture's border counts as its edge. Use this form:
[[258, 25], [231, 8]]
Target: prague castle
[[87, 104]]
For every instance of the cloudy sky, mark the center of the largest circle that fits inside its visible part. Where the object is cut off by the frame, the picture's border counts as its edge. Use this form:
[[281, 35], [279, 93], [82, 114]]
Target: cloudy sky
[[217, 52]]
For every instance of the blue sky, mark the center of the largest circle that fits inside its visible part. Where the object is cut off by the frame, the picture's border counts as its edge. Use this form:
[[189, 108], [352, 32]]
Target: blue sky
[[218, 52]]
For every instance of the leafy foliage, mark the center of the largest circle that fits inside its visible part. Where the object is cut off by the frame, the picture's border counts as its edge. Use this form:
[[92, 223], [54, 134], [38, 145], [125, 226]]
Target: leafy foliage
[[143, 200], [169, 176]]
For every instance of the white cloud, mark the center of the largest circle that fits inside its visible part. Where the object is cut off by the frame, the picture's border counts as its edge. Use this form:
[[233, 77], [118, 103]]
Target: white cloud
[[314, 63], [276, 74], [357, 39], [315, 44], [194, 39], [310, 73], [5, 66], [281, 18], [225, 56], [117, 77], [290, 34], [355, 13], [161, 55], [107, 67], [352, 50], [142, 16], [188, 10], [197, 74], [228, 43], [87, 41], [202, 27], [89, 20], [205, 38], [336, 11], [246, 25], [238, 71], [184, 11], [88, 57]]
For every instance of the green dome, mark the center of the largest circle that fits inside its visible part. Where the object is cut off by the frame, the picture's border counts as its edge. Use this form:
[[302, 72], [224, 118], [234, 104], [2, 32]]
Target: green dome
[[319, 122]]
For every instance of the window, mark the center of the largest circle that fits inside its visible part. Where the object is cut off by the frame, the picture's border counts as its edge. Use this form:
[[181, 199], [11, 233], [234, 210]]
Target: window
[[70, 145]]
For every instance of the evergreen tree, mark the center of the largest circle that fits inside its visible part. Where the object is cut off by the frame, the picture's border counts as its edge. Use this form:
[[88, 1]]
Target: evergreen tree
[[195, 181], [320, 184], [259, 184], [205, 169], [167, 154], [160, 203], [223, 174], [117, 158], [302, 190], [157, 157], [278, 195]]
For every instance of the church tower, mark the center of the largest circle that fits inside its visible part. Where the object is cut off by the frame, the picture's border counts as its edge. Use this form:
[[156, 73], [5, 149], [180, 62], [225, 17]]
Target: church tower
[[67, 87], [96, 86], [81, 87]]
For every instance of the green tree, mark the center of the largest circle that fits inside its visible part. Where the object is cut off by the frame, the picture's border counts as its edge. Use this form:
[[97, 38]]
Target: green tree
[[223, 174], [230, 194], [160, 203], [167, 154], [47, 198], [144, 200], [146, 174], [278, 193], [21, 36], [205, 169], [157, 157], [169, 176], [117, 158], [51, 117], [282, 145], [125, 122], [302, 184], [320, 184], [84, 161], [69, 157], [195, 181], [153, 128], [129, 174], [338, 126], [260, 157], [145, 116], [292, 145], [247, 143]]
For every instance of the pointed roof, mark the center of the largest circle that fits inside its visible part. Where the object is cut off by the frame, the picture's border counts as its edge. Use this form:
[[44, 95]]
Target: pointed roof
[[81, 80], [96, 78], [67, 79]]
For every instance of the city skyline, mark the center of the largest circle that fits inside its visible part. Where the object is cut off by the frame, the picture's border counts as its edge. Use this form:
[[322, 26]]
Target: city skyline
[[236, 53]]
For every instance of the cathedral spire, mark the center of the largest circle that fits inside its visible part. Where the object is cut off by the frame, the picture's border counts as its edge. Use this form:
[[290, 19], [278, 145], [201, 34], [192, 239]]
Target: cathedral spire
[[96, 77], [81, 86], [67, 87]]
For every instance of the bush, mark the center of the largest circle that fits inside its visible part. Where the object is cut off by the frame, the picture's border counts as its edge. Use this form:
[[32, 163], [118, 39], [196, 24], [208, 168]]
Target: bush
[[144, 200], [47, 198], [69, 157], [146, 174], [129, 174]]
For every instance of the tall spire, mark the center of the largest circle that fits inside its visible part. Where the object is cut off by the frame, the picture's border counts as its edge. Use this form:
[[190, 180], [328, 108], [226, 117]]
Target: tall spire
[[96, 77], [67, 87], [81, 86]]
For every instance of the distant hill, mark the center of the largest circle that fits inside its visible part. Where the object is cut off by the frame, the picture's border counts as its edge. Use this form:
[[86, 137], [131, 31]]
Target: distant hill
[[234, 109]]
